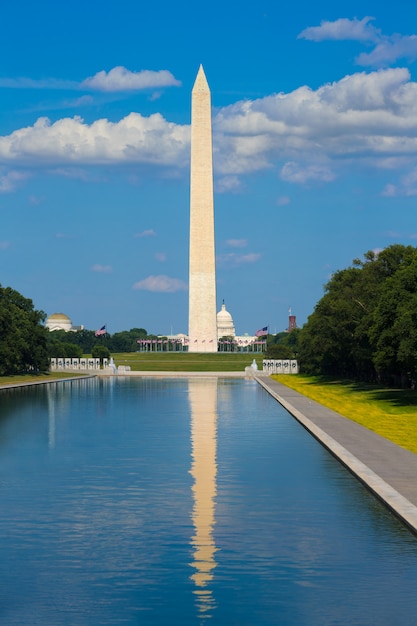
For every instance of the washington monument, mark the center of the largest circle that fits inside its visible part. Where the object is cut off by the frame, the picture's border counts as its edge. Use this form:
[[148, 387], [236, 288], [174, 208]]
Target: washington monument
[[202, 320]]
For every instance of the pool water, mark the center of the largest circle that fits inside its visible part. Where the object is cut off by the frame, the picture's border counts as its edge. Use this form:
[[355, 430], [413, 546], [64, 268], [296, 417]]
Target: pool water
[[186, 501]]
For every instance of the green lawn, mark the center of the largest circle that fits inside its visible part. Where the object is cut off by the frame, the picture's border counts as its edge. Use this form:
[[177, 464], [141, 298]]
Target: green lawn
[[391, 413], [187, 362]]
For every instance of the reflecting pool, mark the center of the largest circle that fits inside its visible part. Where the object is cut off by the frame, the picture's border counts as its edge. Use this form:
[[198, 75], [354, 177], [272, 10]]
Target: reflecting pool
[[129, 501]]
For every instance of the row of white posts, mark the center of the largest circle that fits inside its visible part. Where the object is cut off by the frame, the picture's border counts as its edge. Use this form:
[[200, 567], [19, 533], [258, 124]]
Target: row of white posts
[[280, 366], [77, 364]]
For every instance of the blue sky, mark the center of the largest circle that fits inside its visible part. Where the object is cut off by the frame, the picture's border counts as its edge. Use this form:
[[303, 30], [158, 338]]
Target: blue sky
[[315, 152]]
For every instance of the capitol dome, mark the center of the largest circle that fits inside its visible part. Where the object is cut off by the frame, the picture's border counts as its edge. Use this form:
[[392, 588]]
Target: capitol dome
[[225, 325], [58, 321]]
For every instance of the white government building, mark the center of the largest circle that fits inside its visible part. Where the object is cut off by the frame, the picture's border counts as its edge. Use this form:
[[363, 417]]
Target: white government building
[[60, 321], [226, 329]]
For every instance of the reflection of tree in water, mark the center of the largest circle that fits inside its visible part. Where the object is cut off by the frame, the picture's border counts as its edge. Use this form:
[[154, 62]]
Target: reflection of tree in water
[[22, 409], [203, 403]]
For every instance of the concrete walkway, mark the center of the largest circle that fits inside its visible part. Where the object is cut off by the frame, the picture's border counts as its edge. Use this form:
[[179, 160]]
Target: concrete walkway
[[388, 470]]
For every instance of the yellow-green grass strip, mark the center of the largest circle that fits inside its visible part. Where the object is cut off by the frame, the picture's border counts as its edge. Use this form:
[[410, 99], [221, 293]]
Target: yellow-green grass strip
[[389, 412]]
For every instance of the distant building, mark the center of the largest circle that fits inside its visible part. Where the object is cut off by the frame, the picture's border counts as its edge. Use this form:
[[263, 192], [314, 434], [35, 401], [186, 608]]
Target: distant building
[[225, 325], [292, 323], [226, 328], [60, 321]]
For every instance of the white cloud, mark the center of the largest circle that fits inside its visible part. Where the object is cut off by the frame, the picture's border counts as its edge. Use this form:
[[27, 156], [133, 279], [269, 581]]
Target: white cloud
[[406, 186], [35, 200], [4, 245], [389, 191], [161, 283], [369, 116], [237, 243], [232, 259], [342, 29], [228, 184], [283, 201], [134, 139], [10, 180], [76, 102], [76, 173], [146, 233], [103, 269], [121, 79], [64, 236], [387, 50], [117, 79], [296, 173], [161, 256]]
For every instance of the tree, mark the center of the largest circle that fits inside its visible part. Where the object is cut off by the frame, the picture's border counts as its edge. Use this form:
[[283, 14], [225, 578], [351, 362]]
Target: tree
[[100, 352], [279, 351], [394, 328], [127, 340], [365, 324], [85, 339], [64, 349], [22, 335], [283, 345], [332, 341]]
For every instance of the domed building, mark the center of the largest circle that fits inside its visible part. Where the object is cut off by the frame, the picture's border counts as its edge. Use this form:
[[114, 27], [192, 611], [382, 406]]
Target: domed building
[[60, 321], [225, 325]]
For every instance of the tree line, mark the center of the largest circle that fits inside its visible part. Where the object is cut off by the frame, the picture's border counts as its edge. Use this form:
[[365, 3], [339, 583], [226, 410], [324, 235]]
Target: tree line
[[26, 345], [75, 344]]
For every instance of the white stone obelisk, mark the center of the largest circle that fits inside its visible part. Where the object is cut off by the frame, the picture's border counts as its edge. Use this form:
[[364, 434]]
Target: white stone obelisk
[[202, 320]]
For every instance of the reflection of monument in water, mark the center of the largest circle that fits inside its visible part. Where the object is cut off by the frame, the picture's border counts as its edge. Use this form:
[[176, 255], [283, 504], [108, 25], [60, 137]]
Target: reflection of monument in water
[[203, 404]]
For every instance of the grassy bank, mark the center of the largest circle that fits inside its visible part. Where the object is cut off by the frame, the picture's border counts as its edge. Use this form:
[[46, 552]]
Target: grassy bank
[[187, 362], [391, 413]]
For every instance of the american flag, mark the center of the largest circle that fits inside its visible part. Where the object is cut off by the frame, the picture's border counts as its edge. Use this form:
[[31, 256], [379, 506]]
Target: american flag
[[100, 331], [262, 331]]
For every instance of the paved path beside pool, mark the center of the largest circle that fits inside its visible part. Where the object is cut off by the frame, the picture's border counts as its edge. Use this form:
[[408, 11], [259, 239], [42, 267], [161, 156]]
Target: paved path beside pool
[[388, 470]]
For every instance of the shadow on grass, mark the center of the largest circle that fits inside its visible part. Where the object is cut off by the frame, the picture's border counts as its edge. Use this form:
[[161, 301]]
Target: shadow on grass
[[393, 396]]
